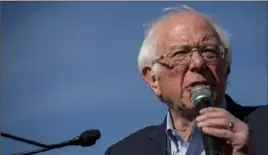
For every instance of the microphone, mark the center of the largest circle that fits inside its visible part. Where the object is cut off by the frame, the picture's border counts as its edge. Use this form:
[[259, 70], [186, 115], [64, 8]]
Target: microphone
[[24, 140], [87, 138], [201, 97]]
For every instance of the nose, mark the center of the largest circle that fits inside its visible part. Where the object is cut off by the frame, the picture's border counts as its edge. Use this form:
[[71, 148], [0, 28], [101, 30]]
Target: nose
[[197, 63]]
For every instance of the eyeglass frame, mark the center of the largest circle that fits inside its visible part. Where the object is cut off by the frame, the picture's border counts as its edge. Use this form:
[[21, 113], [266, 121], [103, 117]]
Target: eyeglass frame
[[224, 52]]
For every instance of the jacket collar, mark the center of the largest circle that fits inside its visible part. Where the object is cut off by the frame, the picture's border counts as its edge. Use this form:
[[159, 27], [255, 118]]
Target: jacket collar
[[159, 138], [240, 112]]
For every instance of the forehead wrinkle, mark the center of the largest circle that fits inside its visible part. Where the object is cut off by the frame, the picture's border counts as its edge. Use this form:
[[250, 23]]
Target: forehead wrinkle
[[192, 32], [184, 28], [190, 39]]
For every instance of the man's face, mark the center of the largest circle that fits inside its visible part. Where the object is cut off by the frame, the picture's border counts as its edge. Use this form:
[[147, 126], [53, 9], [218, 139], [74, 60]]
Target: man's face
[[175, 84]]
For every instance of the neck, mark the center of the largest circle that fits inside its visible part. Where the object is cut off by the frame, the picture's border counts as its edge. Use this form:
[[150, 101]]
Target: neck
[[183, 123]]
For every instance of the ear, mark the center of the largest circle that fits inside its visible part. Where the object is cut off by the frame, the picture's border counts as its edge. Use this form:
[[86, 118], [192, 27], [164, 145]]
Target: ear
[[151, 79]]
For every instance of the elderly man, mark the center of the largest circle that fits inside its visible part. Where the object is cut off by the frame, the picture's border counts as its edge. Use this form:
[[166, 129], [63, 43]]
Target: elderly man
[[180, 51]]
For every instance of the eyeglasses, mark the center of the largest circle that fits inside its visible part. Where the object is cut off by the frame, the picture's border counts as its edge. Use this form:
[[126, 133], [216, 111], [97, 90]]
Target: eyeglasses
[[182, 55]]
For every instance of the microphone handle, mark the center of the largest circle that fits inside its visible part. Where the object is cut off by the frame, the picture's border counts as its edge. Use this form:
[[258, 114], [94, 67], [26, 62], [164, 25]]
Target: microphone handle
[[49, 147], [33, 151], [211, 144], [23, 140]]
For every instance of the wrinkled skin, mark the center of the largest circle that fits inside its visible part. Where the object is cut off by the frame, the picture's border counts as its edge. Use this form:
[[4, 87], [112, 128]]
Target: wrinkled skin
[[173, 85]]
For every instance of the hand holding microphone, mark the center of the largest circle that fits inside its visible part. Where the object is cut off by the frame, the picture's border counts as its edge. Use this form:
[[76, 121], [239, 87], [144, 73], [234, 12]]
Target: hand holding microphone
[[218, 124]]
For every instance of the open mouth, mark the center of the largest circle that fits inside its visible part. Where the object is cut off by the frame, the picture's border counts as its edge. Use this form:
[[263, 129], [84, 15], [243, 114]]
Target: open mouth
[[198, 83]]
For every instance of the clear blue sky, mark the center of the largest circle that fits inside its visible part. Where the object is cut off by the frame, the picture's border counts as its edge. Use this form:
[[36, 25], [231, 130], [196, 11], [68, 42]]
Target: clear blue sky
[[71, 66]]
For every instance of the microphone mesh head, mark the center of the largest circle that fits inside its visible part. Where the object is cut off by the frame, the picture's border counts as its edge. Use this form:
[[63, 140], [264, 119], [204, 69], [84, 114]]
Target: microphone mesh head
[[94, 133], [200, 92], [89, 137]]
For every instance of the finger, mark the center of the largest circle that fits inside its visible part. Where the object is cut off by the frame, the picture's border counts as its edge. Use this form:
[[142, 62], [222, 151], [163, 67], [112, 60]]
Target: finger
[[210, 109], [208, 115], [215, 123], [220, 133]]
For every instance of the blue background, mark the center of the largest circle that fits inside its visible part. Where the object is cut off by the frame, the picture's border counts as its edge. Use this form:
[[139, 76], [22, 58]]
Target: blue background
[[72, 66]]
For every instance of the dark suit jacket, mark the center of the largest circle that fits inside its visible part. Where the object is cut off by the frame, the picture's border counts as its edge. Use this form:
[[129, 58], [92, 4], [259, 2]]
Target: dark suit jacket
[[152, 140]]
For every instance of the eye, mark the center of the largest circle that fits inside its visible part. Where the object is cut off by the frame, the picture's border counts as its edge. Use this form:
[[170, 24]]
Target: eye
[[210, 49], [210, 53], [179, 53]]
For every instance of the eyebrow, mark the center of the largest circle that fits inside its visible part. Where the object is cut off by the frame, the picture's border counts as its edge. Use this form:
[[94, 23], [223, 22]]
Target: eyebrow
[[174, 47], [210, 42], [182, 46]]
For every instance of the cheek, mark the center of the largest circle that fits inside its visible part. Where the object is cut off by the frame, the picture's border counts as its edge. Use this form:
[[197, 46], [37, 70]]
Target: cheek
[[176, 77], [178, 71], [172, 79], [219, 73]]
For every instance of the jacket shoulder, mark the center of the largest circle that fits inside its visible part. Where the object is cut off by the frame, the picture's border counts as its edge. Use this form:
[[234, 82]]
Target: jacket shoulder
[[132, 143], [257, 122], [258, 113]]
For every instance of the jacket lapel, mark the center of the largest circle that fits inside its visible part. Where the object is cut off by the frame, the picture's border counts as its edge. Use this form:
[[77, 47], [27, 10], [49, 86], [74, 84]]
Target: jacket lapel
[[158, 139], [237, 110], [234, 108]]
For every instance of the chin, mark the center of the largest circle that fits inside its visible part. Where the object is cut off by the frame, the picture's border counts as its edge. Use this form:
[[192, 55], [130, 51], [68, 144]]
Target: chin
[[189, 106], [186, 99], [189, 111], [186, 103]]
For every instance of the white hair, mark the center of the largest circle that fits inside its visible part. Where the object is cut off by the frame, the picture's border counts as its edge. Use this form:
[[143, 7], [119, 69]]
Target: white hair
[[148, 52]]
